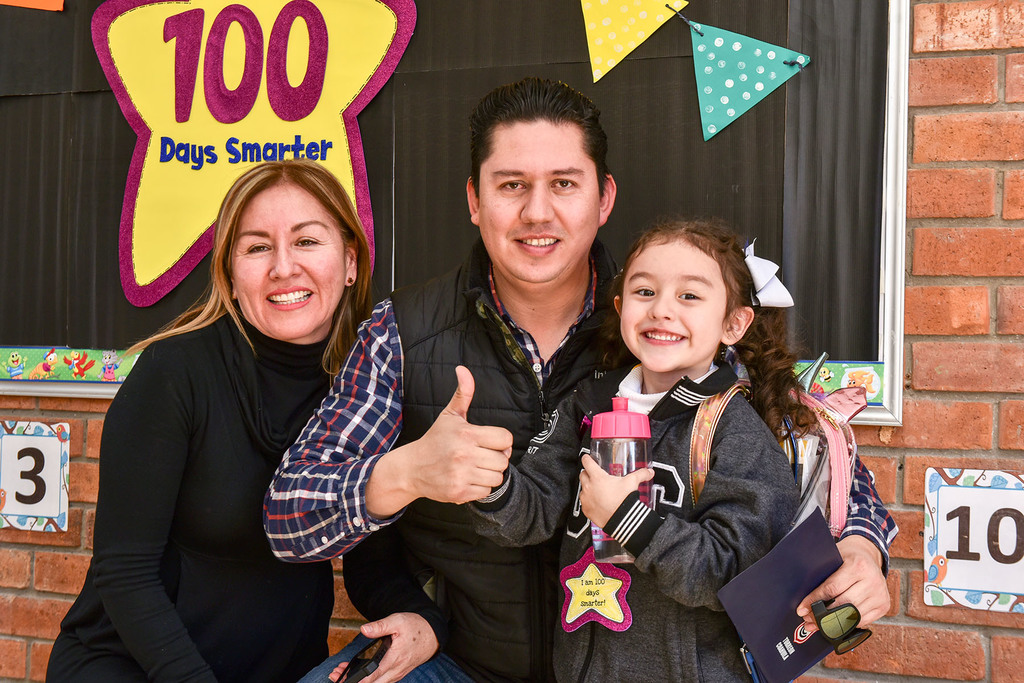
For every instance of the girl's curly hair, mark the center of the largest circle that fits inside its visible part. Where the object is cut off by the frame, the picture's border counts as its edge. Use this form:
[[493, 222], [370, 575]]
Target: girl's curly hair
[[763, 350]]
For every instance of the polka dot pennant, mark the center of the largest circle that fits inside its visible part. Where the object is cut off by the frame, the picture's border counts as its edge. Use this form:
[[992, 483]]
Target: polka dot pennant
[[617, 27], [735, 72]]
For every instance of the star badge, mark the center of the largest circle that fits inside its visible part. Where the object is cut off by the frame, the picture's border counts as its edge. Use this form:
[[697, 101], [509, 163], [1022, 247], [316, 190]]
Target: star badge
[[595, 591]]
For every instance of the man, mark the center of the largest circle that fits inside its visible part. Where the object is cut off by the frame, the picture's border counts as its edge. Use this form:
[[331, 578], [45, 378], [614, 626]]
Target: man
[[523, 314]]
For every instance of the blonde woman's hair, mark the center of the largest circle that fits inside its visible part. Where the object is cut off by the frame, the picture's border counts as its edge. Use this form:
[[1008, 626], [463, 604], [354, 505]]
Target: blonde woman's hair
[[217, 301]]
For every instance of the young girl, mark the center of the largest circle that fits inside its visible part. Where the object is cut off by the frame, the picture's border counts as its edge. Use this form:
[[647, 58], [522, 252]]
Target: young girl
[[684, 296]]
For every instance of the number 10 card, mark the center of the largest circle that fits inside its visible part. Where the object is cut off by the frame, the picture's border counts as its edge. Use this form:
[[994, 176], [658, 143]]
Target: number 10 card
[[974, 539]]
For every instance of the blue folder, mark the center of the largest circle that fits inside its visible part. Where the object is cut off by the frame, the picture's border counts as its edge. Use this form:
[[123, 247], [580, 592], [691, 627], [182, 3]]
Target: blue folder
[[762, 601]]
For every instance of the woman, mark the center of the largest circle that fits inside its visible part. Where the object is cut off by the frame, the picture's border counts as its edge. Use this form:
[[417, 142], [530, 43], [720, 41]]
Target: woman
[[183, 585]]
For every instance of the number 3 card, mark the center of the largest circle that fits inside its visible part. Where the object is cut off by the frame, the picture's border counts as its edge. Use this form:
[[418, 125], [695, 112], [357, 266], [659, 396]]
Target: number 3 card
[[974, 539], [34, 476]]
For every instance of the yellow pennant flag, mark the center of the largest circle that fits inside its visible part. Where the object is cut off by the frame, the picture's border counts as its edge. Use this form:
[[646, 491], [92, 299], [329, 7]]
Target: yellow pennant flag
[[617, 27]]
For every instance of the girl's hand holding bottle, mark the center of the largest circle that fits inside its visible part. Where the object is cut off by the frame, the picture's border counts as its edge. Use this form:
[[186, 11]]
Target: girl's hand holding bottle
[[602, 493]]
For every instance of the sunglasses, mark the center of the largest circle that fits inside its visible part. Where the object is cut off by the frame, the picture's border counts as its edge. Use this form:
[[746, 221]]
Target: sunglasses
[[838, 625]]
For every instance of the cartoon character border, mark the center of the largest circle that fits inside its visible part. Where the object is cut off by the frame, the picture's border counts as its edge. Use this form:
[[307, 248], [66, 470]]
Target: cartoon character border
[[61, 432], [62, 364], [935, 594], [839, 374]]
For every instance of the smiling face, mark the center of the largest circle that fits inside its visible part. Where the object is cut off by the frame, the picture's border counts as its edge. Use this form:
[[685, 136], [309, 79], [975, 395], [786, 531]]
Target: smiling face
[[673, 313], [289, 265], [539, 205]]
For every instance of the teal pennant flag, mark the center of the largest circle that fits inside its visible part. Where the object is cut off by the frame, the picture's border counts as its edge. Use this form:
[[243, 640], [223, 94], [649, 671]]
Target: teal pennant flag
[[735, 72]]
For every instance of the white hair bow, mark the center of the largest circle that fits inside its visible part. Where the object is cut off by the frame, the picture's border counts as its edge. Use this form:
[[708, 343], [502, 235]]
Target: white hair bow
[[768, 289]]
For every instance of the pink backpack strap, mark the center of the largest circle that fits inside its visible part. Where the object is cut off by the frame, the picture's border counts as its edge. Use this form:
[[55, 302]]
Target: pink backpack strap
[[840, 454], [704, 423]]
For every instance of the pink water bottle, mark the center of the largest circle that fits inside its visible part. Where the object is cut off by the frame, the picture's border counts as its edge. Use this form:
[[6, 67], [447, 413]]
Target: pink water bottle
[[618, 442]]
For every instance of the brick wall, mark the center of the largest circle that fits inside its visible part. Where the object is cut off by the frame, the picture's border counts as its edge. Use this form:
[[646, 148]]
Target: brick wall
[[40, 574], [964, 360], [964, 313]]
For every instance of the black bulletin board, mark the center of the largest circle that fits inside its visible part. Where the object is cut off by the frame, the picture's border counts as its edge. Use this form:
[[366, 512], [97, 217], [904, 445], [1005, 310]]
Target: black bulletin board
[[67, 148]]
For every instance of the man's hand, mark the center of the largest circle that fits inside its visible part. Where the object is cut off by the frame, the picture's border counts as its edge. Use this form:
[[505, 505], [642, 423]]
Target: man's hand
[[412, 643], [601, 493], [454, 462], [858, 581]]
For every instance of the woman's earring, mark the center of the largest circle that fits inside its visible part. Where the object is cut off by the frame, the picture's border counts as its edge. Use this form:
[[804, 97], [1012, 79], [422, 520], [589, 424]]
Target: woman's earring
[[348, 282]]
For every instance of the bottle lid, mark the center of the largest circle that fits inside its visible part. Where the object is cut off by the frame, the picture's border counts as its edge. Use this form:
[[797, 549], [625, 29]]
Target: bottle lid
[[620, 423]]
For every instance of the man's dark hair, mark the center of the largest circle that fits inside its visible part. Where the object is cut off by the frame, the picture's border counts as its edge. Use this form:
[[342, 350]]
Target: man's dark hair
[[536, 99]]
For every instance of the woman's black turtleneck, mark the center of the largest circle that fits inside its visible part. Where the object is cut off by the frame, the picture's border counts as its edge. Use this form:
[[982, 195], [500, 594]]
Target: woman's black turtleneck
[[183, 586]]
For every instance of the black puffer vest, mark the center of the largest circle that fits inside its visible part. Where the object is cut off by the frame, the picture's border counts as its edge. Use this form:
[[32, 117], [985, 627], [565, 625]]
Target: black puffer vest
[[502, 602]]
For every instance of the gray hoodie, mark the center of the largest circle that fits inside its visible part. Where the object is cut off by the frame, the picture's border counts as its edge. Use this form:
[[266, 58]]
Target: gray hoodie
[[664, 623]]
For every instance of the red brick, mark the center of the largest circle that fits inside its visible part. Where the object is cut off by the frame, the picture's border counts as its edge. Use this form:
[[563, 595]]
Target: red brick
[[946, 310], [1011, 425], [90, 527], [93, 433], [75, 405], [76, 438], [1007, 659], [936, 424], [954, 614], [15, 568], [1015, 77], [60, 572], [13, 655], [963, 366], [939, 27], [953, 80], [914, 651], [40, 656], [17, 403], [85, 481], [892, 584], [914, 467], [974, 136], [343, 608], [70, 538], [951, 192], [1010, 310], [909, 543], [38, 617], [337, 638], [1013, 195], [882, 467], [974, 252]]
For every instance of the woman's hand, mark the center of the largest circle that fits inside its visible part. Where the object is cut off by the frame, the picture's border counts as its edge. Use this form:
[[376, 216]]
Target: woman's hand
[[412, 643], [601, 493]]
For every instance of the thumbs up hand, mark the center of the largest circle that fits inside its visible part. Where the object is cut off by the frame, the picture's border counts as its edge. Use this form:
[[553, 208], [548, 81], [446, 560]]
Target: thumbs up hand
[[459, 461], [454, 462]]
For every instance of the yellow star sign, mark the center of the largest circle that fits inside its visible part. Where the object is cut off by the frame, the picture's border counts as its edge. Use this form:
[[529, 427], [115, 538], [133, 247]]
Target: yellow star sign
[[212, 87], [593, 591], [617, 27]]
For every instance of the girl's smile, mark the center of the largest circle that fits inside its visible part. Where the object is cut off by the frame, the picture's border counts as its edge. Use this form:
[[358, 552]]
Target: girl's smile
[[673, 313]]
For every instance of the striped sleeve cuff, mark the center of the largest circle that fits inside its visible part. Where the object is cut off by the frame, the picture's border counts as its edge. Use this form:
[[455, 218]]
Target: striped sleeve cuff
[[633, 524], [496, 499]]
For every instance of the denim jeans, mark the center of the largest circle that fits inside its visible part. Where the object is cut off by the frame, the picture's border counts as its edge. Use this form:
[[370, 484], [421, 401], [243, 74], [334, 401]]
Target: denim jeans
[[440, 669]]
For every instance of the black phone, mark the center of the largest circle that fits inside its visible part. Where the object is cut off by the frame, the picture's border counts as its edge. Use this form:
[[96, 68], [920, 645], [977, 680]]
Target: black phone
[[367, 660]]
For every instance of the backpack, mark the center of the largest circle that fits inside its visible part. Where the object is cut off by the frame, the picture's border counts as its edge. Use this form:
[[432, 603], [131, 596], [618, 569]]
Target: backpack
[[823, 459]]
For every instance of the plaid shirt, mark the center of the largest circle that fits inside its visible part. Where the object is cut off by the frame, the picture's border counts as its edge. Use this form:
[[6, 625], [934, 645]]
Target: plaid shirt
[[867, 516], [315, 507]]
